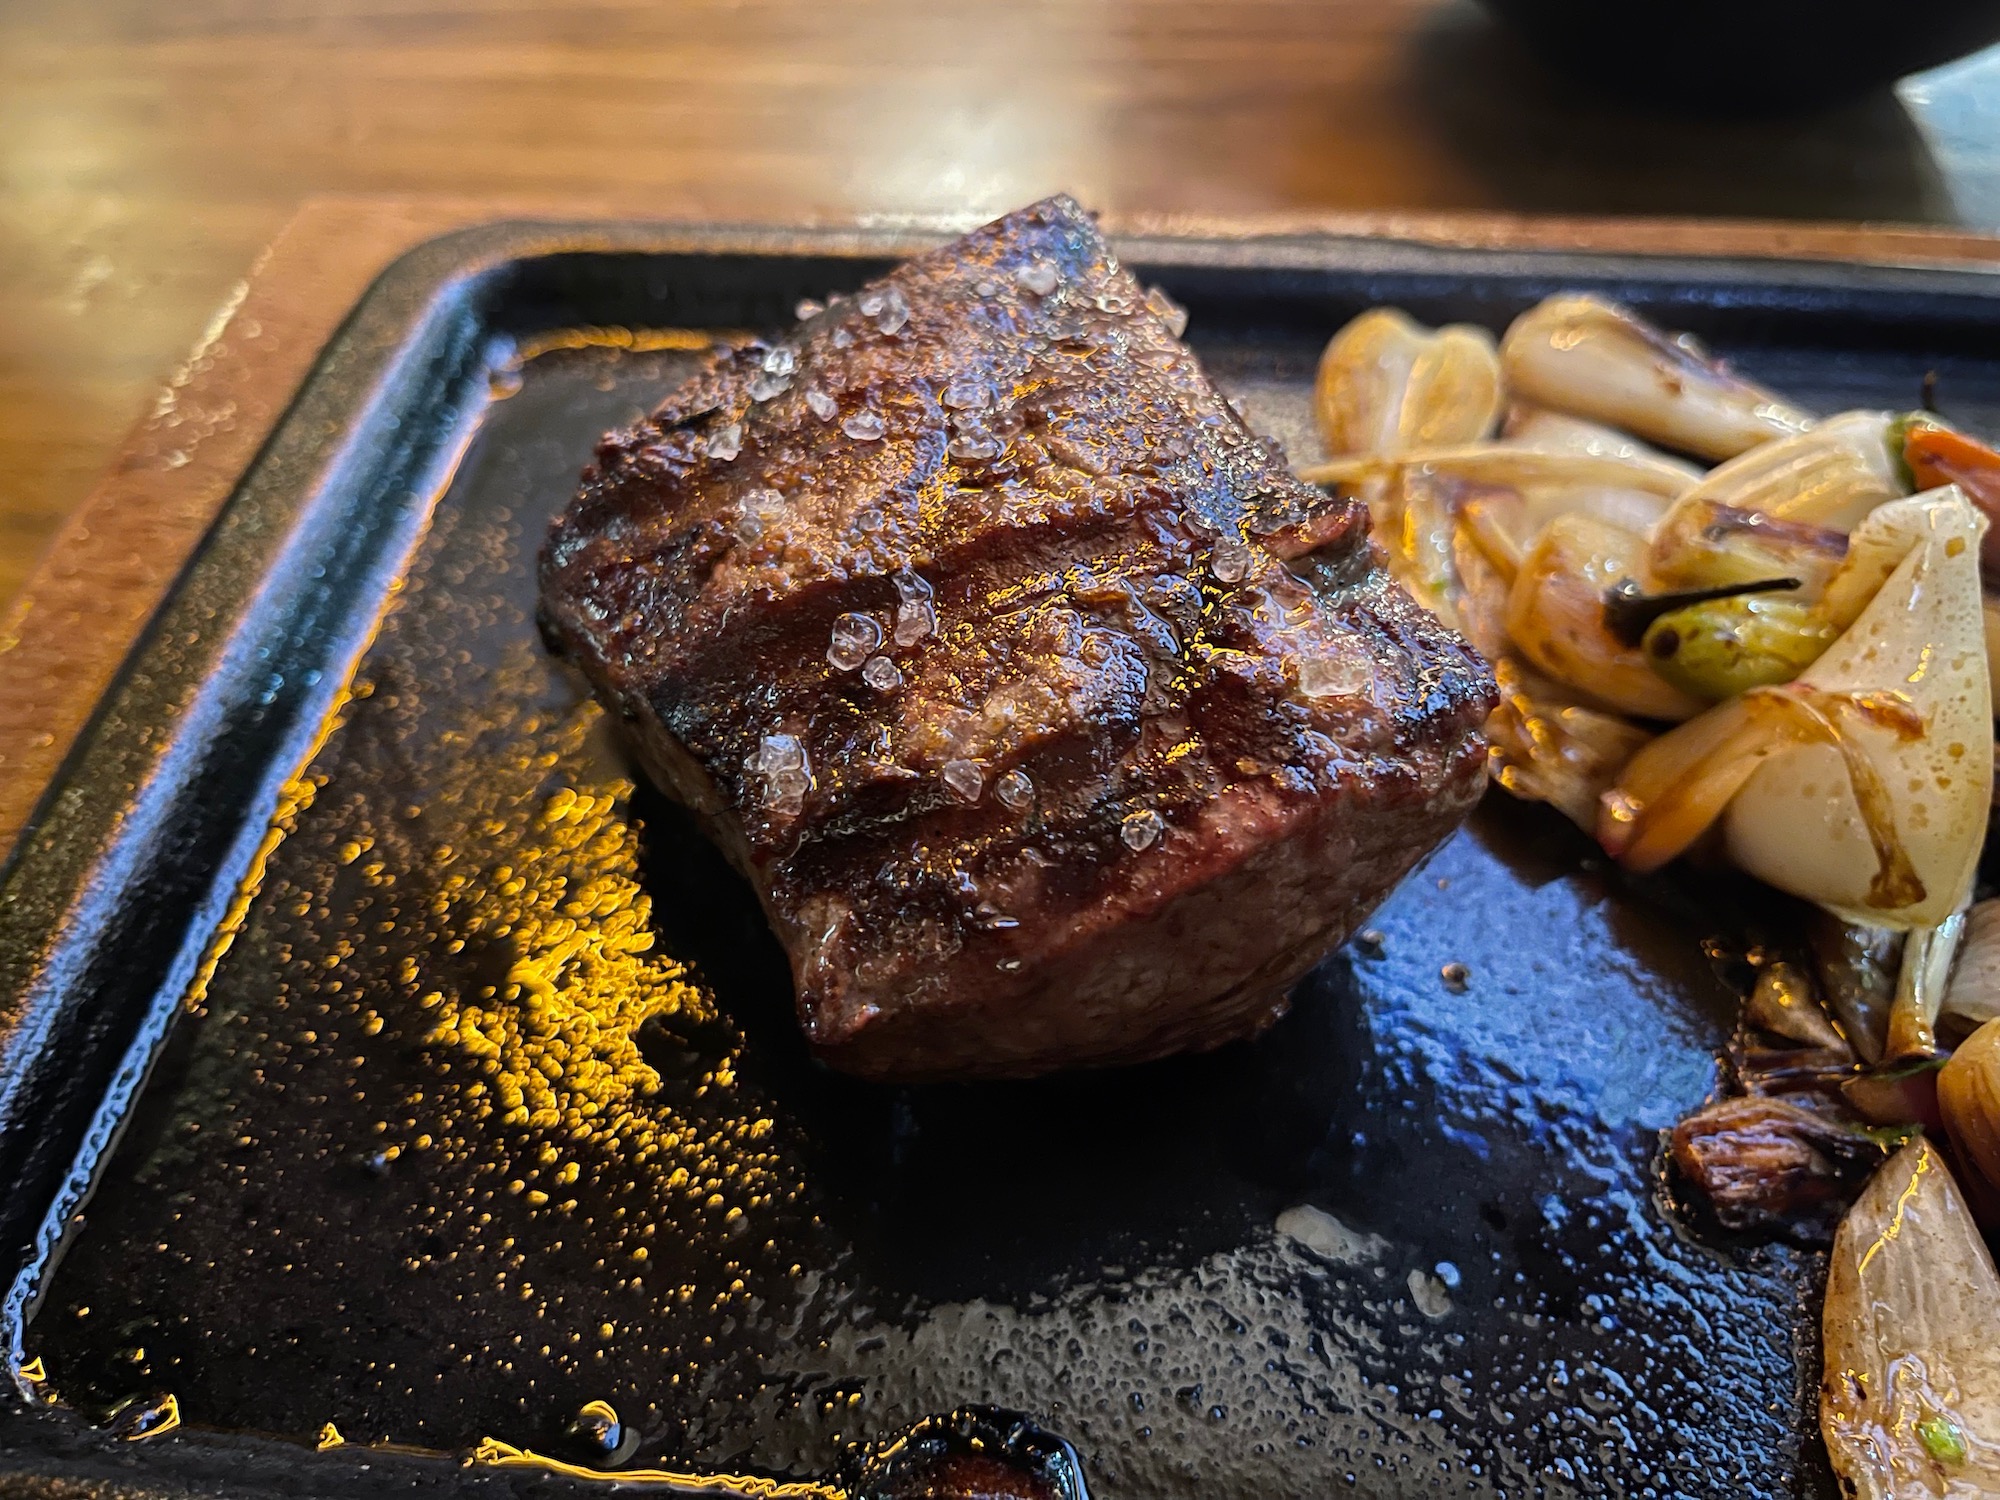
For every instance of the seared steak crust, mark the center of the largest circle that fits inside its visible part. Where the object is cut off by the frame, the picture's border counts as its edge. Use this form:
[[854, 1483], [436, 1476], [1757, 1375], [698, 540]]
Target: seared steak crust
[[1053, 720]]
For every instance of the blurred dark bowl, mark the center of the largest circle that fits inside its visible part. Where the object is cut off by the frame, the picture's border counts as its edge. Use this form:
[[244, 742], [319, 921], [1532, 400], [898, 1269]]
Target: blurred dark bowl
[[1748, 57]]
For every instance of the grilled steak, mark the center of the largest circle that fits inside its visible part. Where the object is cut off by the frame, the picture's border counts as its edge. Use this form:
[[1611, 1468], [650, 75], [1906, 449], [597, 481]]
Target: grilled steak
[[1054, 722]]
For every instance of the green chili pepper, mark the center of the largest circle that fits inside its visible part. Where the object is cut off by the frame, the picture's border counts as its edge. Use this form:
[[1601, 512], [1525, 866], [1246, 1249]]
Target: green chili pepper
[[1726, 646], [1942, 1440]]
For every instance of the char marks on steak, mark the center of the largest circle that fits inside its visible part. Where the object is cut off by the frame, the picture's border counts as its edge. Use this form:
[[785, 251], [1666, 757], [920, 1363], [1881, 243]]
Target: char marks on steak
[[1054, 721]]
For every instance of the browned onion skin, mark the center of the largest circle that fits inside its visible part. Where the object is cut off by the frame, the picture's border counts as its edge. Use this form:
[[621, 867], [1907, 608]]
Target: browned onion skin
[[1784, 1004], [1856, 967], [1764, 1164]]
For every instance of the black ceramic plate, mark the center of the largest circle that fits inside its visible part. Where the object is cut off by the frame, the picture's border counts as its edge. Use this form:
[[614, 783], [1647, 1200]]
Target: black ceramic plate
[[377, 1061]]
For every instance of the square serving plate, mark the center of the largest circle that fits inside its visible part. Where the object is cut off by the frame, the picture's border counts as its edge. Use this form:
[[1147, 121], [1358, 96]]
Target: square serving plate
[[383, 1072]]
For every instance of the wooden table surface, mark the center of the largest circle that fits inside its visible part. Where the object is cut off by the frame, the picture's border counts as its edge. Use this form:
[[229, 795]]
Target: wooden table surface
[[148, 151]]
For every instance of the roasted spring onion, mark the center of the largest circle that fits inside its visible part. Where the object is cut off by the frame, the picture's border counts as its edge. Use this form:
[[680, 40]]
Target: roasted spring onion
[[1595, 360]]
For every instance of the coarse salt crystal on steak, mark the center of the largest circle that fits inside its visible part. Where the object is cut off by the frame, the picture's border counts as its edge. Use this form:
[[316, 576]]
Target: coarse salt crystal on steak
[[998, 532]]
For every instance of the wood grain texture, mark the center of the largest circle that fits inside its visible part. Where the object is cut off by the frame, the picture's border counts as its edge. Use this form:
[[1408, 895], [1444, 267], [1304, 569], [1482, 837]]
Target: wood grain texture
[[147, 151]]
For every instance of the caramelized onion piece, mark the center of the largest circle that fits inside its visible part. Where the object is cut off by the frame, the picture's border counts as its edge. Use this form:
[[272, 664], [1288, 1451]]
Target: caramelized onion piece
[[1910, 1401], [1900, 1096], [1920, 989], [1413, 517], [1762, 1163], [1673, 791], [1515, 468], [1707, 545], [1883, 543], [1596, 360], [1910, 677], [1457, 538], [1483, 585], [1831, 476], [1769, 1071], [1494, 521]]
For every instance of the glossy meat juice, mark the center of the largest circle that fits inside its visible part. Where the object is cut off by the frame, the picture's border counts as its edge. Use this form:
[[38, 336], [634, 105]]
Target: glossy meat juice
[[1012, 668]]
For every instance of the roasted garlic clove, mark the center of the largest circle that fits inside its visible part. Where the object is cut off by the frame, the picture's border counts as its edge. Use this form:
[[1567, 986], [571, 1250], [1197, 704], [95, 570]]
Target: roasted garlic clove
[[1595, 360], [1387, 384], [1910, 1399]]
